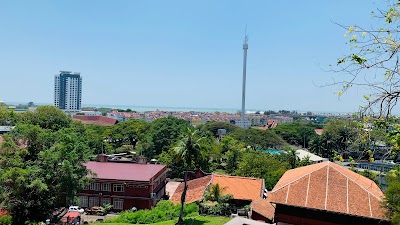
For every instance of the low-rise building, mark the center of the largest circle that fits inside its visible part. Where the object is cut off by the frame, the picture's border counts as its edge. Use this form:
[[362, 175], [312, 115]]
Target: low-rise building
[[303, 154], [326, 193], [243, 189], [98, 120], [124, 185]]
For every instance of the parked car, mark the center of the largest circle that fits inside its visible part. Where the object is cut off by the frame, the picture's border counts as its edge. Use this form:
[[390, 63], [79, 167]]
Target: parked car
[[74, 208]]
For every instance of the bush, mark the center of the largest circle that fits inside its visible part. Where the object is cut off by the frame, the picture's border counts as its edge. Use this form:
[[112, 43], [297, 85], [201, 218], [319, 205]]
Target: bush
[[218, 209], [163, 211], [5, 220]]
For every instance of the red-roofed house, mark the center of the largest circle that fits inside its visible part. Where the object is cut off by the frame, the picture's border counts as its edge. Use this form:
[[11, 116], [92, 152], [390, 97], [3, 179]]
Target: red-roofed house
[[243, 189], [194, 192], [326, 193], [124, 185], [98, 120]]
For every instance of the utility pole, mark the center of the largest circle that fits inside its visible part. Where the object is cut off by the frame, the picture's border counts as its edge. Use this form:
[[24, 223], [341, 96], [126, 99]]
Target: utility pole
[[245, 47]]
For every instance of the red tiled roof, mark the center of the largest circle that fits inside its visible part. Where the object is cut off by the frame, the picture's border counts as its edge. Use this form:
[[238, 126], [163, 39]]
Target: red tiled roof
[[194, 192], [70, 217], [242, 188], [124, 171], [319, 131], [263, 207], [3, 212], [98, 120], [331, 187]]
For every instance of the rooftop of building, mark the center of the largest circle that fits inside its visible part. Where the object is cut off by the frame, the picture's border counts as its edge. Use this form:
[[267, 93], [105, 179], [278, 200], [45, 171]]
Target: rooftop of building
[[98, 120], [241, 188], [124, 171], [194, 192], [331, 187]]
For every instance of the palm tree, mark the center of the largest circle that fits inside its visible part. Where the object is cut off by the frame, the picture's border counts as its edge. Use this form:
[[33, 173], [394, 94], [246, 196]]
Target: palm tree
[[293, 156], [187, 150], [215, 193]]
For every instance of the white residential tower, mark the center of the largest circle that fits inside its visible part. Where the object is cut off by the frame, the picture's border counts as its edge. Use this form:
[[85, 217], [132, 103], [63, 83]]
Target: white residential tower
[[68, 91]]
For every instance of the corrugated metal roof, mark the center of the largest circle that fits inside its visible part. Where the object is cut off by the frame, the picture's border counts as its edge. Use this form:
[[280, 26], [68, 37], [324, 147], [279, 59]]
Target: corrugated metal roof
[[124, 171]]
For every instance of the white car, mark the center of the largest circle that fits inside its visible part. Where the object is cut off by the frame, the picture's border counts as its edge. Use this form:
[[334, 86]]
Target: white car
[[74, 208]]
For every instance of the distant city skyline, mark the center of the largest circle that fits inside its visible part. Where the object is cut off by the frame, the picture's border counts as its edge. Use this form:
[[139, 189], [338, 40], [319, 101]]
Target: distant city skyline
[[180, 54]]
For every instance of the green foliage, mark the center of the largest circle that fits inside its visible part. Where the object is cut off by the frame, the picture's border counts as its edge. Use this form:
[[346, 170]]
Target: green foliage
[[296, 133], [263, 165], [47, 174], [8, 117], [392, 197], [166, 131], [214, 193], [213, 127], [371, 175], [5, 220], [218, 209], [47, 117], [128, 132], [340, 136], [163, 211], [258, 139]]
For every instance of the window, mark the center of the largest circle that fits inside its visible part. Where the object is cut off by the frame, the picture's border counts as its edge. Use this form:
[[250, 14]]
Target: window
[[86, 187], [95, 186], [105, 201], [118, 188], [106, 187], [93, 201], [83, 201], [118, 203]]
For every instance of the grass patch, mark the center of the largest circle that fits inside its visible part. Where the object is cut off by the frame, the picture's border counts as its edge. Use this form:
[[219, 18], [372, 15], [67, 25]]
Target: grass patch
[[197, 220]]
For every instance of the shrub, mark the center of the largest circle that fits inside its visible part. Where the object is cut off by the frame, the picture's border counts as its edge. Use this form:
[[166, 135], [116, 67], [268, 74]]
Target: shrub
[[218, 209], [163, 211], [5, 220]]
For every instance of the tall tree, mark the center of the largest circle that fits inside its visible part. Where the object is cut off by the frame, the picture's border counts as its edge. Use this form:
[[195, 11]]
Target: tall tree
[[47, 117], [373, 61], [255, 138], [188, 150], [44, 174], [166, 131]]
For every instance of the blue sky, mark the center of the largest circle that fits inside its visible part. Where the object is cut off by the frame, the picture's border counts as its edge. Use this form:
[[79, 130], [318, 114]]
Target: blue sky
[[180, 53]]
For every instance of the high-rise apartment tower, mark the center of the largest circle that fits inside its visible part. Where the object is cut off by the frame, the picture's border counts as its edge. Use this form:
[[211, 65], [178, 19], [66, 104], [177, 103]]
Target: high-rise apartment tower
[[68, 91]]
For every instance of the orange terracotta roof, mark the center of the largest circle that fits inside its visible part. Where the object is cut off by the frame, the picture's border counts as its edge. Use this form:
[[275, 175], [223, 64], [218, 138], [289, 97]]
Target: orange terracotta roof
[[263, 207], [331, 187], [242, 188], [194, 192], [98, 120]]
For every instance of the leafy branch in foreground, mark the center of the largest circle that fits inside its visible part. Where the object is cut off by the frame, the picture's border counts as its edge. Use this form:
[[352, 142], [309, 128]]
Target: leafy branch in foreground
[[373, 61]]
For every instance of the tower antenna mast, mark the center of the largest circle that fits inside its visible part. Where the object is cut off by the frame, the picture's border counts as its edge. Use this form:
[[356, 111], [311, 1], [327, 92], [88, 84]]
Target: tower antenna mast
[[245, 47]]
